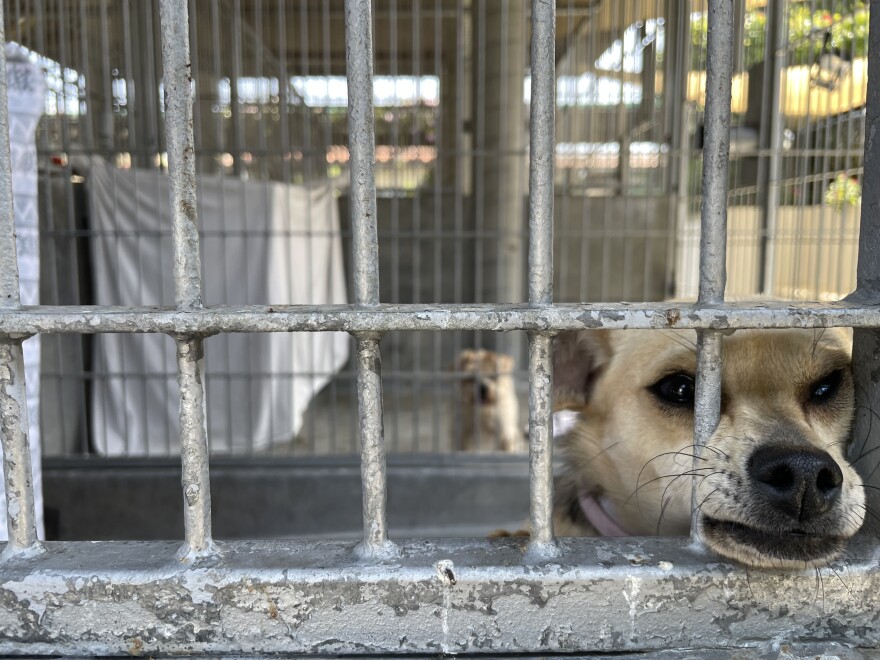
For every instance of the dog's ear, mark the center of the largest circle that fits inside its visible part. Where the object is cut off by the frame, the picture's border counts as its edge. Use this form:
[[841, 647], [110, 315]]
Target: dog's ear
[[578, 357]]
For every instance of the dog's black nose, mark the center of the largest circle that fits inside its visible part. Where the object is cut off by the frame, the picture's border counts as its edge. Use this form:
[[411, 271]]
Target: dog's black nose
[[802, 482], [483, 392]]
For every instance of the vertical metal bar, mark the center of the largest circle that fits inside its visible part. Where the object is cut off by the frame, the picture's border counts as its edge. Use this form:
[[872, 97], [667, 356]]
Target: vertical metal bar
[[541, 162], [365, 263], [866, 341], [20, 512], [362, 150], [187, 274], [777, 40], [713, 226]]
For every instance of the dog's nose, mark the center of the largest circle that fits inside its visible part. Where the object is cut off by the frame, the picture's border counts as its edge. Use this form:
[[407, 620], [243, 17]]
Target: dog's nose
[[802, 482], [483, 393]]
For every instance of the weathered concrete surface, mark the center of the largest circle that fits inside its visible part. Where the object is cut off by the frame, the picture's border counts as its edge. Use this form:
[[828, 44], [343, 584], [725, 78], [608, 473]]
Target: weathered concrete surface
[[454, 597]]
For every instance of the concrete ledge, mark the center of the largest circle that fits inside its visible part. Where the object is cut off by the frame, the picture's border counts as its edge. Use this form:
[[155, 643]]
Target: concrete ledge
[[289, 597]]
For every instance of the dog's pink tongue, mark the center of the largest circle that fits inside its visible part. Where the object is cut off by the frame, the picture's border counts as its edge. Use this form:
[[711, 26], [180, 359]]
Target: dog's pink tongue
[[598, 517]]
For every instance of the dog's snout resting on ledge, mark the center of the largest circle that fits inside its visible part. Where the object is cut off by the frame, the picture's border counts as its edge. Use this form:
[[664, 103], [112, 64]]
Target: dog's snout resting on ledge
[[773, 486]]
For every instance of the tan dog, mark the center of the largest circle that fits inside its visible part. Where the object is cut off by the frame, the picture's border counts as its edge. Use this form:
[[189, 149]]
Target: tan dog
[[488, 409], [773, 487]]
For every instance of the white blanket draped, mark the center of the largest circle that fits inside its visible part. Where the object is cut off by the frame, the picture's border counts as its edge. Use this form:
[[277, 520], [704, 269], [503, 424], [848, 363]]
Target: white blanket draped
[[262, 243]]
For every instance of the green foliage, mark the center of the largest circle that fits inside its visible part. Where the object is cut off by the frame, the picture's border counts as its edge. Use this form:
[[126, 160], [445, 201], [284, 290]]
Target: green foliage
[[845, 20], [843, 191]]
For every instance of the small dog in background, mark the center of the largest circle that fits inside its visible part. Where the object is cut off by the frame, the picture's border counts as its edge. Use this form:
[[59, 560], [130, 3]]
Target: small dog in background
[[487, 411]]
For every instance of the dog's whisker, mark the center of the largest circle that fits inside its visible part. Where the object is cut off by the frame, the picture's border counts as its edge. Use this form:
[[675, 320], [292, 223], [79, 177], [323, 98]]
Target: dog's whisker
[[694, 472]]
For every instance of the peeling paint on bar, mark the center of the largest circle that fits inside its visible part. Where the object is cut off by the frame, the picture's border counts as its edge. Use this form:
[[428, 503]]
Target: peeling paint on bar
[[295, 597], [389, 318]]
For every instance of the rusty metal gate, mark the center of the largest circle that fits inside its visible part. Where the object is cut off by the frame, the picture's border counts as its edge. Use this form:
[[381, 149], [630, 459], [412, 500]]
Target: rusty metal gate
[[505, 596]]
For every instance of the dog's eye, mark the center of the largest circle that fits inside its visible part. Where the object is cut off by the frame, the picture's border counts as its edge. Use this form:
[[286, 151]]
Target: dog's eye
[[825, 388], [675, 389]]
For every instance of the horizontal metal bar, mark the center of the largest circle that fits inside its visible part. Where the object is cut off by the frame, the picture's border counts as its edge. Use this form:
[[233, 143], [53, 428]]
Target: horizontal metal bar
[[392, 318], [466, 596]]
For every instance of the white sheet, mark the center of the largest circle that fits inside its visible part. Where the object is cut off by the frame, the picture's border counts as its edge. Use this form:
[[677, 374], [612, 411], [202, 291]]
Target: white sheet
[[262, 243]]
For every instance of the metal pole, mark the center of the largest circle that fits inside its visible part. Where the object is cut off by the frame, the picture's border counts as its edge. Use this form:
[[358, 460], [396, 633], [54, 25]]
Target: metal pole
[[713, 227], [20, 511], [187, 276], [365, 263], [542, 154], [866, 341], [778, 39]]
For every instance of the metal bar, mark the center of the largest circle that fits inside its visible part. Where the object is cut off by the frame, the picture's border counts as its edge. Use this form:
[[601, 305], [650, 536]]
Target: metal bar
[[365, 260], [716, 152], [373, 468], [181, 157], [866, 341], [542, 153], [195, 478], [391, 318], [362, 150], [777, 44], [21, 523], [462, 596], [713, 228], [177, 71], [17, 474]]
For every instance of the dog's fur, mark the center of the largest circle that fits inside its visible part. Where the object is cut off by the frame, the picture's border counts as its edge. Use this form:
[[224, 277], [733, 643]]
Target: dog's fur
[[487, 407], [787, 402]]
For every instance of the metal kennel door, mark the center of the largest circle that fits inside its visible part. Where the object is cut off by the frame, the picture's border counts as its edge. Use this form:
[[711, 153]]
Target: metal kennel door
[[426, 597]]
